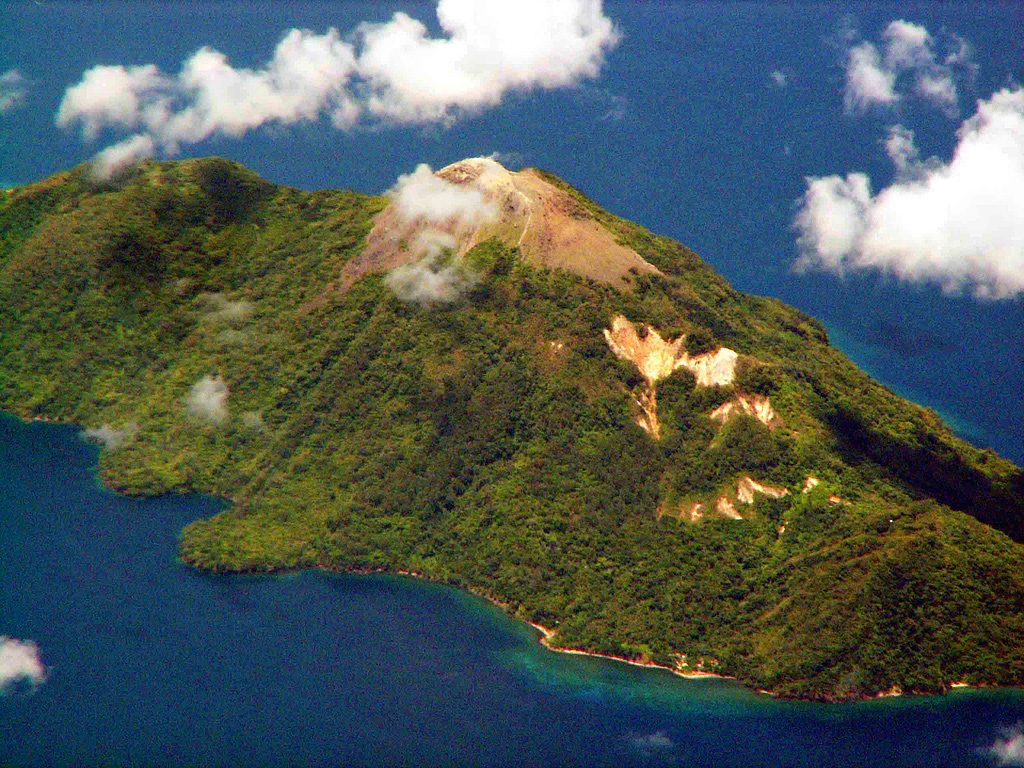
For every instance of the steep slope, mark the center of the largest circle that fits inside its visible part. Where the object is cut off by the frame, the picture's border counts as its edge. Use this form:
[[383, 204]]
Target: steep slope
[[226, 335]]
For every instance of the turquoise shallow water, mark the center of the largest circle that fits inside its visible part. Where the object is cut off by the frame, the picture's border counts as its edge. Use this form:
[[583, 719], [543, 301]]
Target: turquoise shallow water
[[150, 663]]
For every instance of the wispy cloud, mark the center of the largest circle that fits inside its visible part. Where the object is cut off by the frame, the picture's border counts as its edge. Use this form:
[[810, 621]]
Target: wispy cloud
[[207, 400], [900, 147], [511, 160], [618, 109], [423, 195], [444, 214], [225, 319], [233, 336], [117, 158], [867, 82], [19, 663], [959, 224], [13, 88], [391, 72], [111, 437], [910, 61], [1008, 749], [253, 420], [431, 281], [612, 107], [221, 310], [652, 743]]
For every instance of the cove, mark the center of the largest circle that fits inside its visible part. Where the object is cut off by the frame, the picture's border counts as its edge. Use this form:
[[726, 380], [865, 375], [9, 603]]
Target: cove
[[151, 663]]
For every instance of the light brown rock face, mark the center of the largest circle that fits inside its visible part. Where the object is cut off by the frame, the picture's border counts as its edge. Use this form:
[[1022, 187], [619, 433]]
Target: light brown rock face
[[646, 398], [726, 508], [557, 232], [747, 487], [550, 228], [757, 406], [656, 358]]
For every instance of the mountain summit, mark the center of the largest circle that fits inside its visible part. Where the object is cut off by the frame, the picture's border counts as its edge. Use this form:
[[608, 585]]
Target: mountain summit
[[524, 210], [486, 379]]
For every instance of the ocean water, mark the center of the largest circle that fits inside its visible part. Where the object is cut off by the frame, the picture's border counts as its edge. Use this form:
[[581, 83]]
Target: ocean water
[[151, 663]]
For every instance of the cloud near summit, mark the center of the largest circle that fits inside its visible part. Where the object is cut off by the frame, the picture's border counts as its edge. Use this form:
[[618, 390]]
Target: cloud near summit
[[391, 72], [422, 194], [446, 213]]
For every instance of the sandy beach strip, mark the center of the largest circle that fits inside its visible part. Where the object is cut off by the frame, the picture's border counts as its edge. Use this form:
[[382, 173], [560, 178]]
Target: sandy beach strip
[[548, 633]]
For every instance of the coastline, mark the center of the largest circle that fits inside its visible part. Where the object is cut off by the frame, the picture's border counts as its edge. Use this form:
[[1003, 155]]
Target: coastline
[[546, 633]]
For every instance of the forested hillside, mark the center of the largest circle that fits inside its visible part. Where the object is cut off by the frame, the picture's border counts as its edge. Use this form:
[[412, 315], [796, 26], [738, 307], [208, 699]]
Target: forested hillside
[[819, 537]]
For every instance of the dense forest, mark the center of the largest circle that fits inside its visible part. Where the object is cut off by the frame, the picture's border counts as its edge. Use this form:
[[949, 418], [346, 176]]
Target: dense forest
[[188, 315]]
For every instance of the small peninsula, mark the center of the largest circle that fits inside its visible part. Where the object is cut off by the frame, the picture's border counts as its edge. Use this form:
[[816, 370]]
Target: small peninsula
[[486, 379]]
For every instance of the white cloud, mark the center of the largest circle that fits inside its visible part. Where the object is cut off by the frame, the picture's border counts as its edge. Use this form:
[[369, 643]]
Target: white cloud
[[831, 220], [19, 662], [388, 72], [421, 194], [910, 57], [208, 400], [12, 90], [111, 95], [445, 214], [779, 78], [110, 437], [1009, 748], [900, 147], [118, 158], [306, 76], [959, 224], [224, 311], [490, 48], [867, 82]]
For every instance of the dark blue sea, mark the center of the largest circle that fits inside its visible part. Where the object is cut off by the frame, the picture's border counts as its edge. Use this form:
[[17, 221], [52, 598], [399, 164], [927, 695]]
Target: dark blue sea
[[151, 663], [685, 131]]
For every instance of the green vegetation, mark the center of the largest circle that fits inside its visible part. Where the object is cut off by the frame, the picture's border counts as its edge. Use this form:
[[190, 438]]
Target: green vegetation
[[492, 443], [699, 341]]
